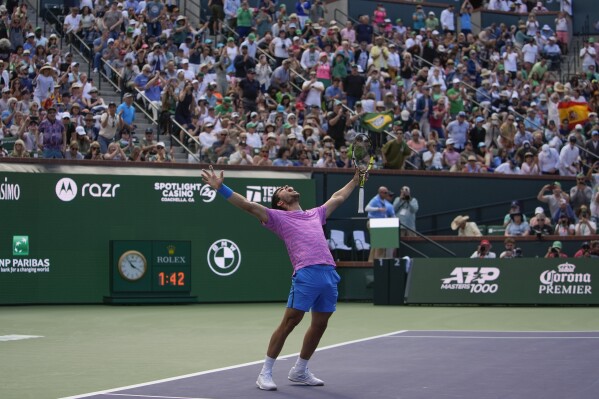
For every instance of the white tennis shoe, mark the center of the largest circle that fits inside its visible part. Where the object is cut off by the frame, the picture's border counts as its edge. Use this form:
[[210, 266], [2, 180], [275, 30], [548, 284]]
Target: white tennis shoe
[[305, 378], [265, 382]]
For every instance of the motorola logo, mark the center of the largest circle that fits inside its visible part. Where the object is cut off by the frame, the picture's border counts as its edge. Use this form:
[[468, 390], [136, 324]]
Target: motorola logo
[[66, 189]]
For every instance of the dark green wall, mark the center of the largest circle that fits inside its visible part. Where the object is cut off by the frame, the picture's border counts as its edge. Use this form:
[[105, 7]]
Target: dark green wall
[[442, 196]]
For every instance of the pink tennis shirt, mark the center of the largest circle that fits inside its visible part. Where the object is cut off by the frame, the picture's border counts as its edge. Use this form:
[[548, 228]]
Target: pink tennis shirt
[[303, 235]]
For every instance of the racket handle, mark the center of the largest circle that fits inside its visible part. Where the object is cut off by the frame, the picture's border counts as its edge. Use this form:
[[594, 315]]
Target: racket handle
[[361, 200]]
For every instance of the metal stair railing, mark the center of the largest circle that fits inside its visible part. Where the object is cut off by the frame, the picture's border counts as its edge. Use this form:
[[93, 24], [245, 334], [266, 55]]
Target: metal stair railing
[[182, 145], [345, 15]]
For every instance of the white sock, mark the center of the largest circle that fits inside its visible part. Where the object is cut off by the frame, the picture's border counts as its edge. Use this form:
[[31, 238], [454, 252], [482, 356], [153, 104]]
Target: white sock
[[300, 365], [267, 367]]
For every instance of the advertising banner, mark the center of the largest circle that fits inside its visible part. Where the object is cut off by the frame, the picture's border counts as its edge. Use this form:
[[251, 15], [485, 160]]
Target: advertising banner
[[57, 228], [504, 281]]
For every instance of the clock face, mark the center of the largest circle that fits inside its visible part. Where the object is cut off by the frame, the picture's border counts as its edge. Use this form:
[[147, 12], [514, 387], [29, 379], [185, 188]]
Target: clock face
[[132, 265]]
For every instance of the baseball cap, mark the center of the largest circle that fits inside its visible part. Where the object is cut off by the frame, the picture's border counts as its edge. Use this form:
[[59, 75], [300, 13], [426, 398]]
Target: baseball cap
[[556, 244], [485, 242], [539, 210], [80, 130]]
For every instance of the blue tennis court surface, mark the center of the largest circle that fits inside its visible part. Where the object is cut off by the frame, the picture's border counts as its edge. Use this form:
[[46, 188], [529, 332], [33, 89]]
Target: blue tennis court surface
[[411, 365]]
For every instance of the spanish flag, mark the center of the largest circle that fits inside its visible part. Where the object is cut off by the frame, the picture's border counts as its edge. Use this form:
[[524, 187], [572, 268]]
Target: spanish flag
[[574, 112], [377, 121]]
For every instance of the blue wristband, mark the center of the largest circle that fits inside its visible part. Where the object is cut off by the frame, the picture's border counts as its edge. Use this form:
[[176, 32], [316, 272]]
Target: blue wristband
[[225, 191]]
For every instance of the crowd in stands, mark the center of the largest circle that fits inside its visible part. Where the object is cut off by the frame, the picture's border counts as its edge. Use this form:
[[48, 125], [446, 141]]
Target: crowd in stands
[[271, 86]]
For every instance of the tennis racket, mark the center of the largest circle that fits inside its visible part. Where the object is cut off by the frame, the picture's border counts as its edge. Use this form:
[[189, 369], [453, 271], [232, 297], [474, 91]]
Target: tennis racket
[[363, 157]]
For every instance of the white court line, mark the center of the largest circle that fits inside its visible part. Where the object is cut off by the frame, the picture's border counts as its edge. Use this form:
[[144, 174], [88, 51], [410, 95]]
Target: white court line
[[152, 396], [15, 337], [511, 331], [109, 391], [484, 337]]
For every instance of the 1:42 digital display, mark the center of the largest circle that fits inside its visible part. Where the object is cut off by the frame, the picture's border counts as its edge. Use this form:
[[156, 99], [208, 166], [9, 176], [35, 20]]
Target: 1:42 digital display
[[177, 280]]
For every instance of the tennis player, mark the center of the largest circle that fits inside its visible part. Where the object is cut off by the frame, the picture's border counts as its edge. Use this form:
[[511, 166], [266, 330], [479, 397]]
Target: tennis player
[[314, 281]]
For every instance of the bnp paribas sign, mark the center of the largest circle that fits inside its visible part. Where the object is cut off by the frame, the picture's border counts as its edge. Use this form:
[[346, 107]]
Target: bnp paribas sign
[[22, 261]]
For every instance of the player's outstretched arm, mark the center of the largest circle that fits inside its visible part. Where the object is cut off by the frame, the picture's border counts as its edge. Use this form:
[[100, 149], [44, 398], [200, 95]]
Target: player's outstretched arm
[[216, 182], [340, 196]]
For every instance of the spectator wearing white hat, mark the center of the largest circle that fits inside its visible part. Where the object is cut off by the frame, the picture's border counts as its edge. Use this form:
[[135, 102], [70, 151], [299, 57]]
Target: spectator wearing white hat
[[450, 156], [161, 154], [548, 160], [553, 51]]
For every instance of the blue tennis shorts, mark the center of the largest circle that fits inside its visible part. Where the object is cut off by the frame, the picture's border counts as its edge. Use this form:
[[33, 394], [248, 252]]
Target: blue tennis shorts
[[314, 288]]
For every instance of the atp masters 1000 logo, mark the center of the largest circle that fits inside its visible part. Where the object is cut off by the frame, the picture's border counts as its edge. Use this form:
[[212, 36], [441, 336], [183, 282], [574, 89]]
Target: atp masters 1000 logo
[[224, 257], [473, 279]]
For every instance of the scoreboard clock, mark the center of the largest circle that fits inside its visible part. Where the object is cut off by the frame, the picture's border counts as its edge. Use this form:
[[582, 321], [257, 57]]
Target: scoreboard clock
[[132, 265], [150, 272]]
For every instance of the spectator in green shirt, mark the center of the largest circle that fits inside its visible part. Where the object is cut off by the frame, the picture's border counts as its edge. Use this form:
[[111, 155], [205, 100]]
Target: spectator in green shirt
[[244, 20], [432, 22], [395, 152], [540, 68], [456, 102], [225, 107]]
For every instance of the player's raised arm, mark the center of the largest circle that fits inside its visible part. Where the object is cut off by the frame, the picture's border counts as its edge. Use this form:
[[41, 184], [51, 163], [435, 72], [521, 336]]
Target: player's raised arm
[[216, 182], [340, 196]]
